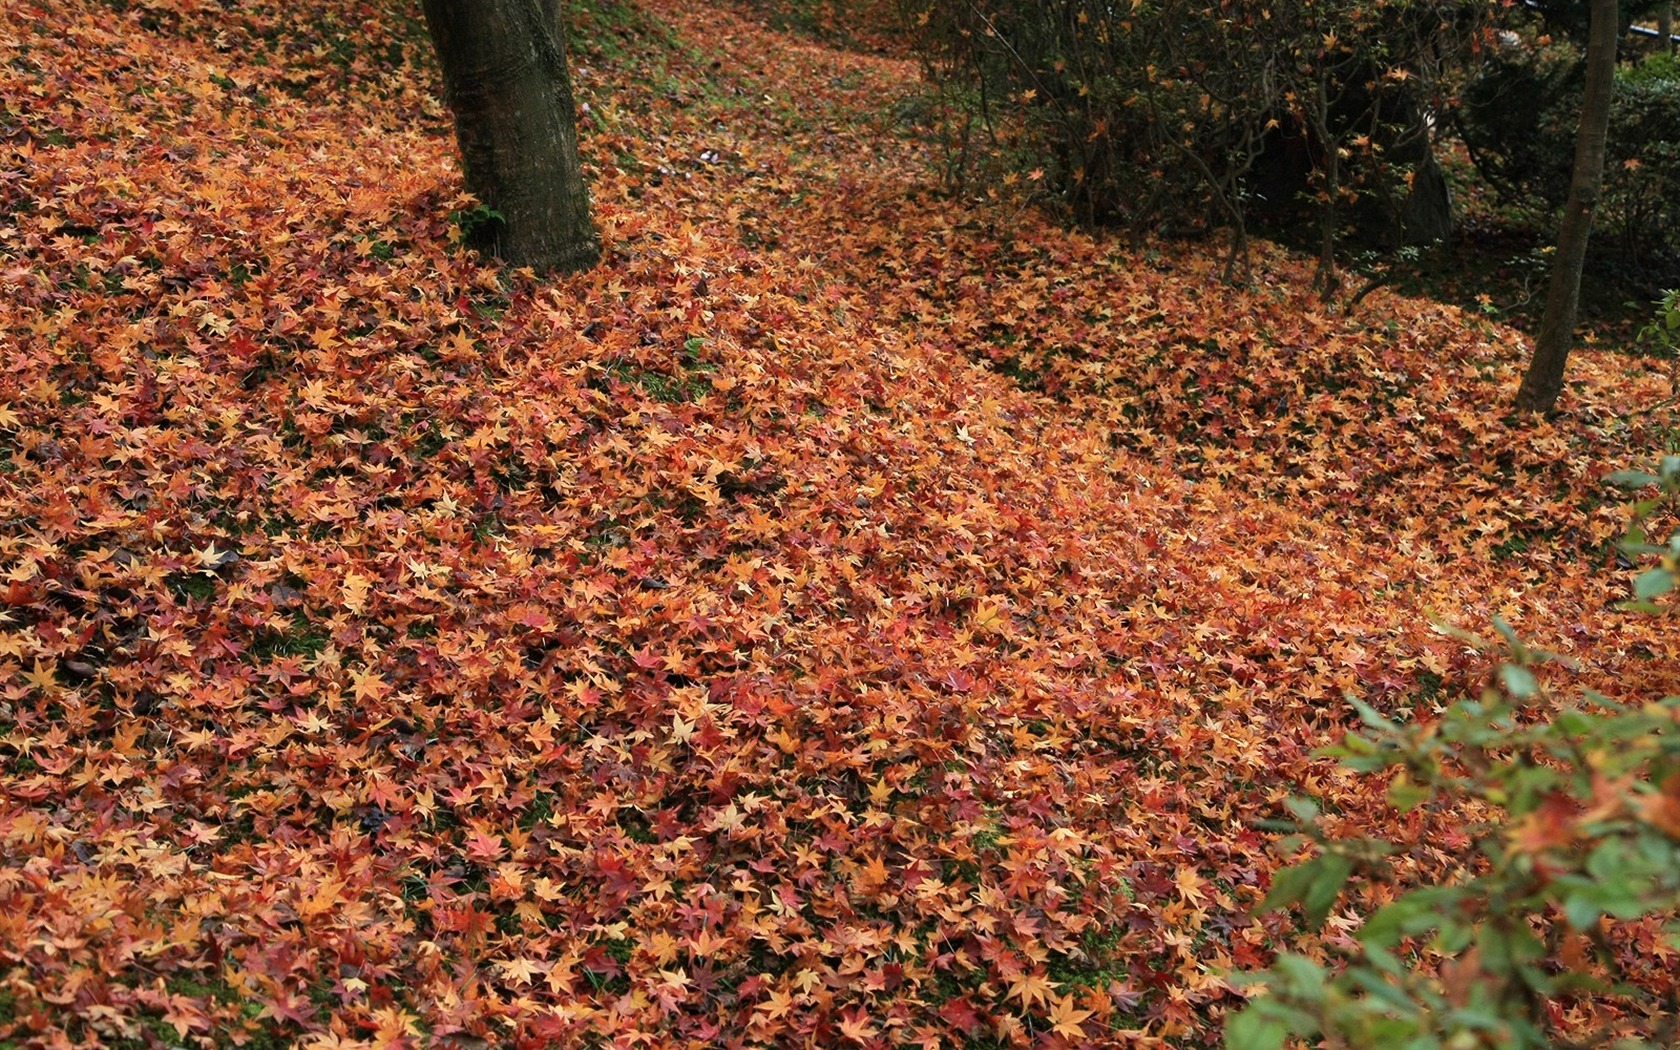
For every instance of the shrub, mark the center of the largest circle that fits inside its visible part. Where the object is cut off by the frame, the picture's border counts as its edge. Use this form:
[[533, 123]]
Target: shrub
[[1519, 116], [1179, 115], [1578, 840]]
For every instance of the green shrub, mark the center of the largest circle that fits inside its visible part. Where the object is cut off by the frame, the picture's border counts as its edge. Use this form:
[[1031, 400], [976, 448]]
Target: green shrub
[[1579, 833], [1519, 116], [1642, 191]]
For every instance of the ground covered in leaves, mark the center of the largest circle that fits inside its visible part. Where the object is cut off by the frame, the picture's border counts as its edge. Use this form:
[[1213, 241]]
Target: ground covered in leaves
[[851, 614]]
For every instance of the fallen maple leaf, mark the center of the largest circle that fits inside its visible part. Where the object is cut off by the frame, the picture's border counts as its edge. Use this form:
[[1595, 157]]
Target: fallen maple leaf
[[1066, 1019]]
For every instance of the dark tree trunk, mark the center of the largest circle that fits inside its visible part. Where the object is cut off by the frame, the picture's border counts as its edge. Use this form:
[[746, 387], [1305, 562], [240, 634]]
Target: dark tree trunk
[[1544, 379], [504, 70], [1428, 217], [1319, 118]]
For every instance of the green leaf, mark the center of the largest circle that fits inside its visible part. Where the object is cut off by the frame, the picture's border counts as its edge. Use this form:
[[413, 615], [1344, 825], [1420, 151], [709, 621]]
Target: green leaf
[[1519, 681], [1405, 795], [1537, 979], [1576, 722], [1289, 886], [1411, 914], [1329, 878], [1453, 938], [1614, 897], [1505, 949], [1384, 961], [1300, 973], [1253, 1030], [1372, 717], [1631, 479], [1477, 1018], [1607, 862], [1305, 809], [1378, 988], [1642, 607], [1353, 748], [1649, 584], [1510, 635]]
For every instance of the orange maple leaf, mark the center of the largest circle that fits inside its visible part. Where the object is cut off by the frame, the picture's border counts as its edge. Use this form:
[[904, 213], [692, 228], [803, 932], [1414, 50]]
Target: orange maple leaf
[[1066, 1019], [1031, 987]]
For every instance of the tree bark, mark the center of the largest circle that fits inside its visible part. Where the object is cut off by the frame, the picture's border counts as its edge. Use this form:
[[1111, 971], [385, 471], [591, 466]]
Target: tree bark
[[1428, 217], [504, 72], [1544, 378], [1325, 280]]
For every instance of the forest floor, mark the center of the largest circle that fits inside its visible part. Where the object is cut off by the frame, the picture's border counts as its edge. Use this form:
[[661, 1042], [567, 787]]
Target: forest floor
[[848, 615]]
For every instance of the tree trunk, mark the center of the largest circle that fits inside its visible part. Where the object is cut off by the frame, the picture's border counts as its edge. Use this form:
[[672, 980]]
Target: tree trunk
[[1665, 28], [504, 71], [1544, 379], [1325, 281], [1428, 217]]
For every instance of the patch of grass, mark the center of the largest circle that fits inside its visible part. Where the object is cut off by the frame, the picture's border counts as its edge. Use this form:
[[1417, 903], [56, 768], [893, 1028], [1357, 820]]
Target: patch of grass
[[691, 359], [1519, 543], [602, 29], [1095, 967], [429, 442], [1429, 686], [489, 527], [264, 1036], [148, 1030], [636, 827], [380, 249], [668, 389], [303, 638], [477, 225], [619, 950], [849, 25], [512, 474], [1510, 547], [537, 813], [196, 586]]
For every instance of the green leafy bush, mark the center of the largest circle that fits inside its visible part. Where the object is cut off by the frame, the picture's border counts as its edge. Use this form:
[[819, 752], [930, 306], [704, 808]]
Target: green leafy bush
[[1662, 336], [1575, 839], [1643, 188], [1519, 116]]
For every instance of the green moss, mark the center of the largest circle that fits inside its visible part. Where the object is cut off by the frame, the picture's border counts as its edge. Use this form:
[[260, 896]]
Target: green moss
[[196, 586], [303, 638]]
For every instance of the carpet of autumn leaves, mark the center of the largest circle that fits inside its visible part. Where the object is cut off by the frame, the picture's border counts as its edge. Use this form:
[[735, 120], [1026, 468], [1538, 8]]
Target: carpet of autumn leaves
[[849, 615]]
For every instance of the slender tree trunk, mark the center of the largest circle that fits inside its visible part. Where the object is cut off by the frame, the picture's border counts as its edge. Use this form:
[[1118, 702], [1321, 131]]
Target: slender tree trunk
[[504, 70], [1324, 278], [1665, 28], [1544, 379]]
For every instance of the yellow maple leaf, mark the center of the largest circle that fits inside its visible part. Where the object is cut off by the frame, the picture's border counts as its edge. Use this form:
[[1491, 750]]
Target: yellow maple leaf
[[356, 588], [778, 1004], [1030, 988], [1066, 1019]]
